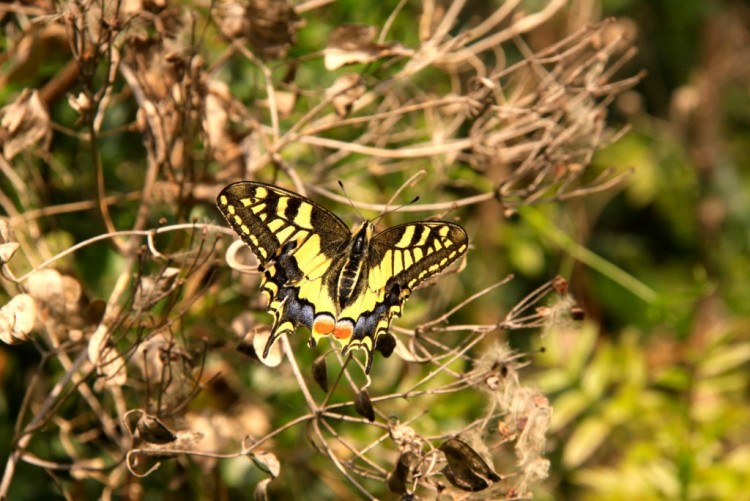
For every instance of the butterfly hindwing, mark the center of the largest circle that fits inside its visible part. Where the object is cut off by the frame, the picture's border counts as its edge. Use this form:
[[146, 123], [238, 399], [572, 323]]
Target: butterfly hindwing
[[400, 259]]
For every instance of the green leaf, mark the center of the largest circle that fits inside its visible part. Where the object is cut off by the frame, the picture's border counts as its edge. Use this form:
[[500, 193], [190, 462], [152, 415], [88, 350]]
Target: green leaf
[[585, 440], [599, 372], [725, 359], [567, 408]]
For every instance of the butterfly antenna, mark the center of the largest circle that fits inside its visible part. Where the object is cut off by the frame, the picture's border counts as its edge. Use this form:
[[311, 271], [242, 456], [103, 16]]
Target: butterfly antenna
[[351, 202], [389, 211], [409, 182]]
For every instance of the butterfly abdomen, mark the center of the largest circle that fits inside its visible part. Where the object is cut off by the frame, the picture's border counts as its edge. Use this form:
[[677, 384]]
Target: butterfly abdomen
[[346, 284], [352, 270]]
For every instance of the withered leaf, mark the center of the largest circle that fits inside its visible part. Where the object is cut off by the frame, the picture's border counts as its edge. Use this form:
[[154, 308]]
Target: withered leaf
[[97, 342], [217, 123], [351, 36], [152, 430], [261, 490], [320, 372], [354, 43], [61, 295], [268, 462], [23, 122], [466, 469], [363, 406], [272, 27], [7, 250], [17, 319], [344, 93], [284, 102]]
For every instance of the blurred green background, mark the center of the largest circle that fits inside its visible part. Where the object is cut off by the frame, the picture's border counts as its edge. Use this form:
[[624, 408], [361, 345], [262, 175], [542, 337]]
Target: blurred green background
[[651, 402]]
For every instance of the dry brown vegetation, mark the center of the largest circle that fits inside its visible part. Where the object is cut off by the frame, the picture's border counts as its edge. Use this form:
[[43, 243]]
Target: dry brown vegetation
[[115, 264]]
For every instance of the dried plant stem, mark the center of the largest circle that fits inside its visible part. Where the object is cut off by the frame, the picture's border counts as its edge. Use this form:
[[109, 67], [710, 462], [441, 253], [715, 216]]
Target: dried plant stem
[[327, 450], [298, 375], [435, 207], [411, 152]]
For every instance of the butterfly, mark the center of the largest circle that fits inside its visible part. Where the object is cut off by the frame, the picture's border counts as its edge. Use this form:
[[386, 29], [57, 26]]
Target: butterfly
[[348, 284]]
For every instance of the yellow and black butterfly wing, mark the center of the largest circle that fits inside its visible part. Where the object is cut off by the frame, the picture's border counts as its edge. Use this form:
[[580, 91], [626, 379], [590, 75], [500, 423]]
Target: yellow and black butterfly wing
[[296, 242], [409, 254], [399, 260], [267, 217]]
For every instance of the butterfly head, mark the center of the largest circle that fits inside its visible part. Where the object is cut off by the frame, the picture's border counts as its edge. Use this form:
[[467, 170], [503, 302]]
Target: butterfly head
[[361, 235]]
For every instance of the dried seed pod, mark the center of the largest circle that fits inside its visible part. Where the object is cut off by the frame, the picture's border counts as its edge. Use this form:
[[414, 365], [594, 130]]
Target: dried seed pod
[[385, 344], [363, 406], [345, 91], [320, 372], [398, 477], [147, 427], [466, 469], [254, 342], [7, 250], [577, 313], [152, 430]]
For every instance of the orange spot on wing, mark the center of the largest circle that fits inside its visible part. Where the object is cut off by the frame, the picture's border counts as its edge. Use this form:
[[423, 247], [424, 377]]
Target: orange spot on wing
[[343, 330], [323, 324]]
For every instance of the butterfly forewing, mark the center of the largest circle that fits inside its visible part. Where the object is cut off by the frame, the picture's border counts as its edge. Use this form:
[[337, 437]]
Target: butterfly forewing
[[267, 217]]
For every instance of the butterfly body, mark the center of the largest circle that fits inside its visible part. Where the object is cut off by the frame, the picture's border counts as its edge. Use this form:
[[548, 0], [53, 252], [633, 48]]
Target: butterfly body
[[336, 282]]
